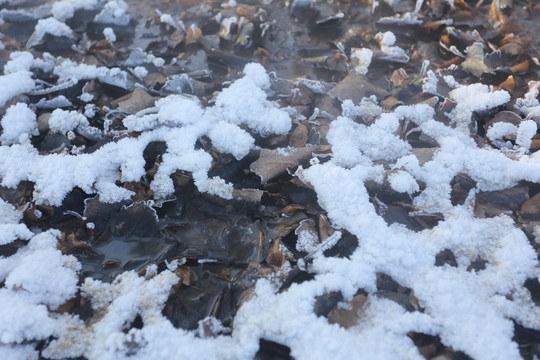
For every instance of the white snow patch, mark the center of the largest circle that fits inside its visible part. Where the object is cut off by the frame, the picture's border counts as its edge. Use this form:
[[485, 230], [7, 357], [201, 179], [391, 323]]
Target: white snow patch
[[394, 53], [48, 26], [529, 103], [114, 12], [368, 108], [65, 9], [470, 311], [361, 59], [14, 84], [18, 124], [69, 70], [402, 181], [109, 34], [18, 61], [474, 97]]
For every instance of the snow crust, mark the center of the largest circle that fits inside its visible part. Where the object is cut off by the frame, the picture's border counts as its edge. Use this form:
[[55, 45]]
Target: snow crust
[[470, 311]]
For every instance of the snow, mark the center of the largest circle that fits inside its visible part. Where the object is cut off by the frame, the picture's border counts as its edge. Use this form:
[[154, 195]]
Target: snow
[[20, 352], [354, 143], [471, 311], [48, 26], [394, 53], [65, 9], [361, 59], [68, 70], [18, 124], [140, 72], [402, 181], [86, 97], [18, 61], [65, 122], [109, 34], [114, 12], [174, 117], [474, 97], [367, 108], [244, 102], [529, 103], [14, 84]]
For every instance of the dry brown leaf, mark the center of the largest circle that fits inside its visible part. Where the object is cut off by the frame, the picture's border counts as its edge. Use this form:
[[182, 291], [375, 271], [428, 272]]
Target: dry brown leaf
[[325, 228], [522, 67], [271, 163], [348, 316], [509, 84], [134, 101], [291, 209], [299, 136], [356, 87], [529, 213], [276, 258], [249, 195], [193, 34], [186, 275]]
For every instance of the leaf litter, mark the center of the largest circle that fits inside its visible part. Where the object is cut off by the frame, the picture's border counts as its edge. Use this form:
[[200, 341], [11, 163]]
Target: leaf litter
[[258, 179]]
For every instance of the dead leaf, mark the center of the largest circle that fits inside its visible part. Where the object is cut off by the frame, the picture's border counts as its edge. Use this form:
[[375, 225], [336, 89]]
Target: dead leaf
[[515, 45], [193, 34], [355, 87], [186, 275], [348, 316], [494, 203], [291, 209], [276, 258], [424, 154], [249, 195], [398, 77], [504, 116], [474, 63], [325, 228], [272, 163], [509, 84], [299, 136], [529, 213], [134, 102]]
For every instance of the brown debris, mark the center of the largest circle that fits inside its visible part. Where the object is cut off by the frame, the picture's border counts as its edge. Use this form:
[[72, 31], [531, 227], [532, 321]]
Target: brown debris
[[348, 316], [134, 102], [271, 164], [356, 87]]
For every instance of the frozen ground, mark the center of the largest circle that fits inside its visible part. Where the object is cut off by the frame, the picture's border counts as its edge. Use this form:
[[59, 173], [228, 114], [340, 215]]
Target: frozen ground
[[468, 308]]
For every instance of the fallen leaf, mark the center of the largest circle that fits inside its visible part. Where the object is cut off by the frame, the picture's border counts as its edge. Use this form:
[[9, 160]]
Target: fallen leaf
[[347, 316], [272, 163], [356, 87]]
